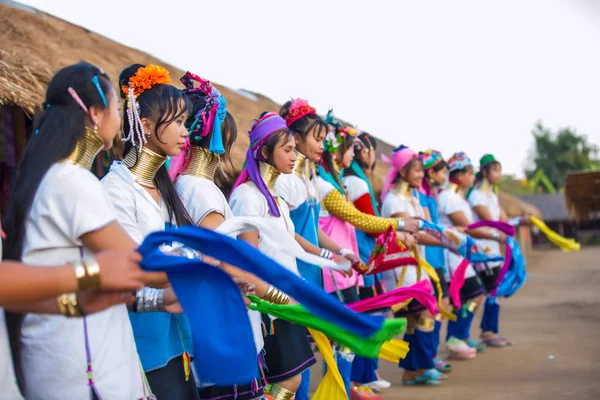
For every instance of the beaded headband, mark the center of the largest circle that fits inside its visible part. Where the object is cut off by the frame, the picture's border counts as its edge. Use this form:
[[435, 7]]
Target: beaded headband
[[430, 158], [298, 109], [459, 161]]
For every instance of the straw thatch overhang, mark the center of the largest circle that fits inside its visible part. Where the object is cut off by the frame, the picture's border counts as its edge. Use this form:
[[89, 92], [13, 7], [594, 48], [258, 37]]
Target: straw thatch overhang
[[582, 192]]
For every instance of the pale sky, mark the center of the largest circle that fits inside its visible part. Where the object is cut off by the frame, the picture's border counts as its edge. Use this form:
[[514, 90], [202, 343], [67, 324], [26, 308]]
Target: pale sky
[[452, 75]]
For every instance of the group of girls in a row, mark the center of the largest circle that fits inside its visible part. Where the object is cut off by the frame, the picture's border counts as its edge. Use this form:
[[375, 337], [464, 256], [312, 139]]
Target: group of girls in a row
[[305, 176]]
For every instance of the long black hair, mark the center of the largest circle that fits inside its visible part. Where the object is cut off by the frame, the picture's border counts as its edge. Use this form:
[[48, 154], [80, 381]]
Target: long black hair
[[58, 127], [364, 141], [163, 104]]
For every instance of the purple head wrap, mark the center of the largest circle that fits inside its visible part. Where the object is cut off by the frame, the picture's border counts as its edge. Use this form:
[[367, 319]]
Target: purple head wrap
[[261, 131]]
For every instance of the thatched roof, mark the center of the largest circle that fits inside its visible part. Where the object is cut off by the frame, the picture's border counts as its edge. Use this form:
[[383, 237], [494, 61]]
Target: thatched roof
[[582, 192], [35, 45]]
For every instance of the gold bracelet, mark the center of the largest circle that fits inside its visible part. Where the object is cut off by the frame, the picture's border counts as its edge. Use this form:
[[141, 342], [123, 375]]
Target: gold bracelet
[[269, 293], [92, 268], [80, 274], [88, 274], [62, 302], [73, 306], [276, 296], [67, 304]]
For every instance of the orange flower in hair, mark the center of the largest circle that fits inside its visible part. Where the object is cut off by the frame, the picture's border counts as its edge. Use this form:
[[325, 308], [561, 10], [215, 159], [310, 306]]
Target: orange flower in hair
[[145, 78]]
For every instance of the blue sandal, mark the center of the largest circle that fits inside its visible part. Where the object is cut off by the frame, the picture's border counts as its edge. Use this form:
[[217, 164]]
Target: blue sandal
[[442, 365], [479, 345], [429, 378]]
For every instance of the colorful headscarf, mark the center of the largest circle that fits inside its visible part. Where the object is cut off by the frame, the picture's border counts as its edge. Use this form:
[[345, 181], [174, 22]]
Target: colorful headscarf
[[261, 131], [400, 157], [298, 109], [459, 161], [208, 119], [335, 137], [430, 158]]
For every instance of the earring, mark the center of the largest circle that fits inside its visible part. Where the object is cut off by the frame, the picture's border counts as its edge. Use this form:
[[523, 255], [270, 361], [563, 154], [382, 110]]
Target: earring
[[96, 128]]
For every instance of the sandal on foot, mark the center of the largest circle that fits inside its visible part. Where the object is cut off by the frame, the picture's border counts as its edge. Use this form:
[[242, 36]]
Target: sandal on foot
[[459, 350], [427, 379], [442, 365], [438, 375], [478, 345]]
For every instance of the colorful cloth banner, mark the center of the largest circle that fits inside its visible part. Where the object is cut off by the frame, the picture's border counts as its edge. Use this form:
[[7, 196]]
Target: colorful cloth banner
[[215, 308], [363, 346]]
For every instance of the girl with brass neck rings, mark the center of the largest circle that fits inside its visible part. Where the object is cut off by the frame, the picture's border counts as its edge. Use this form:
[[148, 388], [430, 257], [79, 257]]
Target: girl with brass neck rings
[[401, 199], [339, 218], [360, 193], [272, 153], [58, 213], [484, 202], [145, 201], [455, 211], [300, 193], [435, 176], [194, 170]]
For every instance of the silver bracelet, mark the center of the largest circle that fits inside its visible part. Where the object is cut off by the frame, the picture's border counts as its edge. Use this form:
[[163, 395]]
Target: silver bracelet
[[149, 299], [400, 222], [328, 254], [186, 252]]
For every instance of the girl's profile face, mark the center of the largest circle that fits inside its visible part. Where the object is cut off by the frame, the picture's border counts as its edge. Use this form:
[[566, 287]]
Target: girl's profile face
[[284, 155], [345, 158], [313, 144], [439, 177], [414, 175], [466, 178], [494, 175], [169, 140]]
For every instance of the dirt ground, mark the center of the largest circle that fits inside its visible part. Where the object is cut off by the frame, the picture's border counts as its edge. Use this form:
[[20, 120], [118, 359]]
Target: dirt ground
[[555, 321]]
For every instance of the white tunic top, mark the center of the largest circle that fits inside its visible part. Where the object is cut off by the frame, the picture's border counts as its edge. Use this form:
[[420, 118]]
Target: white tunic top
[[488, 199], [323, 189], [408, 204], [247, 200], [68, 204], [450, 202], [295, 190], [200, 197], [137, 212], [355, 187]]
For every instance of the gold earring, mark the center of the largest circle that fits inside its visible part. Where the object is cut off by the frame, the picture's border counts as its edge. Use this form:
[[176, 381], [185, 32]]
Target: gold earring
[[96, 128]]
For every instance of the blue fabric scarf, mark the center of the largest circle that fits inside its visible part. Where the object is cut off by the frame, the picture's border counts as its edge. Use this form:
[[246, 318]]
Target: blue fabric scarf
[[516, 275], [214, 306]]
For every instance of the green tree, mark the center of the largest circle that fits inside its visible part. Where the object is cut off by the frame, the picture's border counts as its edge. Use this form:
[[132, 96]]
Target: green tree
[[558, 153]]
